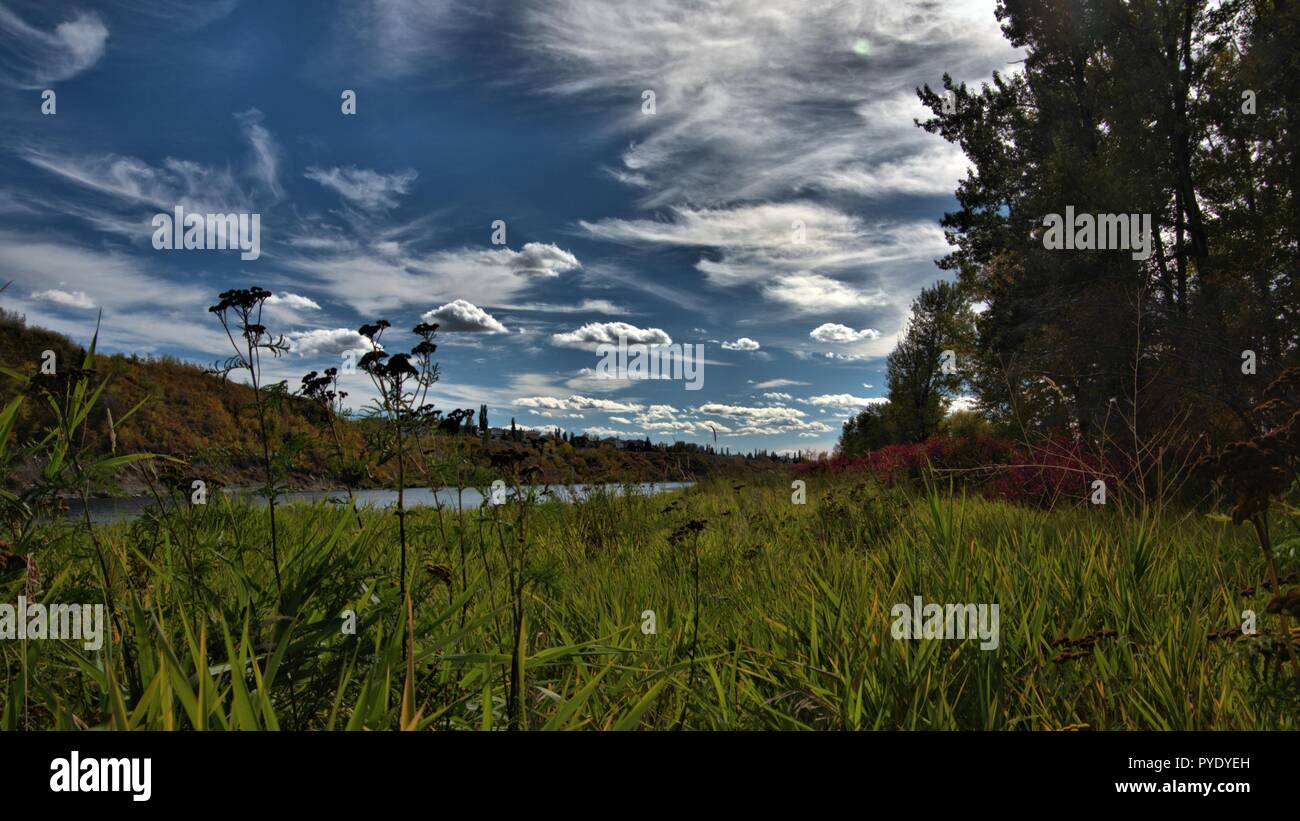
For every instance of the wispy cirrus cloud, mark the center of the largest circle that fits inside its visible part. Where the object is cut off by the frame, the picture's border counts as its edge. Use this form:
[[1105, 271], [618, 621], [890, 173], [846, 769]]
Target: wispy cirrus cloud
[[128, 184], [69, 299], [768, 97], [31, 57], [386, 275], [788, 250], [364, 187]]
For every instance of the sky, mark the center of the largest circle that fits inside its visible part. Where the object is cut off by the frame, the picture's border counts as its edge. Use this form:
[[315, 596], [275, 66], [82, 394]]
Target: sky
[[772, 199]]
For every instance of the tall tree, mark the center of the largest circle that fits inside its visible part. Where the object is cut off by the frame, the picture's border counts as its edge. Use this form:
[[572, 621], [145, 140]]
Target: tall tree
[[1186, 110], [924, 370]]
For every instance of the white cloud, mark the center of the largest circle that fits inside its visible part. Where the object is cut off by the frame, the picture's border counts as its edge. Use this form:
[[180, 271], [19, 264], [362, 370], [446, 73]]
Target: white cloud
[[760, 242], [266, 153], [399, 37], [596, 333], [841, 334], [541, 259], [778, 383], [323, 342], [964, 402], [462, 316], [752, 413], [767, 97], [814, 293], [294, 301], [386, 275], [32, 58], [769, 420], [605, 432], [69, 299], [107, 278], [364, 188], [198, 188], [778, 396], [576, 402], [589, 380], [143, 312], [587, 306], [844, 400], [742, 344]]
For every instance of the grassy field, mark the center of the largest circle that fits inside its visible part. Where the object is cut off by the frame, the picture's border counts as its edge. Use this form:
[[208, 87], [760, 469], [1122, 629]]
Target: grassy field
[[767, 614]]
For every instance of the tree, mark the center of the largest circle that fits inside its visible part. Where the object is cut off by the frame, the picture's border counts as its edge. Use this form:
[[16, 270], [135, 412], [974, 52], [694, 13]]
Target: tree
[[923, 372], [1183, 110], [872, 428]]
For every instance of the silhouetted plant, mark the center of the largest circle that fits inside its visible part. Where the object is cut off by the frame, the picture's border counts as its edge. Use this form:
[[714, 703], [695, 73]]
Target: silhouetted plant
[[323, 390], [690, 532], [240, 312], [402, 381]]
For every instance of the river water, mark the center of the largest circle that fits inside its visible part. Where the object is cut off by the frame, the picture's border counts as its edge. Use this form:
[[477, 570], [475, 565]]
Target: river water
[[103, 511]]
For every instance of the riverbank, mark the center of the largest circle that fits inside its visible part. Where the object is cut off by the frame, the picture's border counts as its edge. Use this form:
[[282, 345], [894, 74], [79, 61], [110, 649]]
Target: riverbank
[[728, 605]]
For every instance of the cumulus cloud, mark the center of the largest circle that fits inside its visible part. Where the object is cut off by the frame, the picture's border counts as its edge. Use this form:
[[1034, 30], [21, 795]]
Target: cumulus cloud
[[767, 420], [841, 334], [605, 433], [326, 342], [541, 259], [756, 413], [742, 344], [367, 189], [777, 396], [844, 400], [813, 293], [597, 333], [576, 402], [465, 317]]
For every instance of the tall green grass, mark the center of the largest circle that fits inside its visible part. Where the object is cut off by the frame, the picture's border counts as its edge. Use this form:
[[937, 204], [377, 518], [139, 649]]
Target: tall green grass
[[538, 623]]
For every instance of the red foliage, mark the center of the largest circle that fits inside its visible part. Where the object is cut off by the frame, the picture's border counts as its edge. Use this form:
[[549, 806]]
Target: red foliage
[[1036, 475]]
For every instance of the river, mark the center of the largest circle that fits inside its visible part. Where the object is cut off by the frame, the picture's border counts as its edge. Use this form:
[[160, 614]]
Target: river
[[125, 508]]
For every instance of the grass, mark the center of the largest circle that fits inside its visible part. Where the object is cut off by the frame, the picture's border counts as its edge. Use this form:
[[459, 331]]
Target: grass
[[529, 615]]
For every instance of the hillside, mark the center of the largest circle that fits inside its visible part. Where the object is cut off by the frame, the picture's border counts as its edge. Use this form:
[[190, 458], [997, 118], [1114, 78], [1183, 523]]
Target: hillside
[[211, 423]]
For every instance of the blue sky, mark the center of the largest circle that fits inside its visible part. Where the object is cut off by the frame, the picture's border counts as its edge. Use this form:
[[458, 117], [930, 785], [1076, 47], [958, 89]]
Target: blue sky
[[679, 224]]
